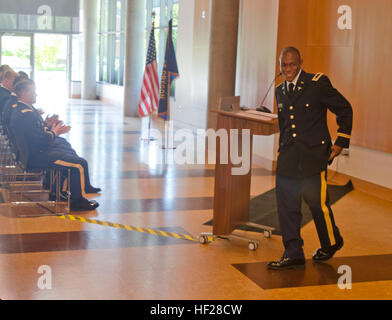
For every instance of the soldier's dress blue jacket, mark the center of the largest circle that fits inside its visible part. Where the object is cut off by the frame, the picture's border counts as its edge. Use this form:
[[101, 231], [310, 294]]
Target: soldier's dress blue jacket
[[304, 136], [40, 148], [5, 94], [304, 149]]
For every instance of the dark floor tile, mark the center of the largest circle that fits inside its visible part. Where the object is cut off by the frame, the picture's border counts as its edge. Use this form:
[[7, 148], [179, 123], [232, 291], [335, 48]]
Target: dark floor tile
[[364, 269], [108, 238]]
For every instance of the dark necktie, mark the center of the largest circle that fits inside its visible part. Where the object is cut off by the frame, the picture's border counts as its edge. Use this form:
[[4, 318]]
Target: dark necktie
[[291, 89]]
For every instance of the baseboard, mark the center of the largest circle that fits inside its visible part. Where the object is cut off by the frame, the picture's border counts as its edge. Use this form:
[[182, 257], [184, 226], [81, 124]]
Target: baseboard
[[370, 188]]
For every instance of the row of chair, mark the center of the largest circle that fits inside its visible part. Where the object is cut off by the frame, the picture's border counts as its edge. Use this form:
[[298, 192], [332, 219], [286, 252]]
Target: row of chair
[[23, 187]]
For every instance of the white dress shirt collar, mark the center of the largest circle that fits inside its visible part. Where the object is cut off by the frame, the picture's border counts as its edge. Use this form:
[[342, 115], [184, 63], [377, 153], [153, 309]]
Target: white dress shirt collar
[[295, 80]]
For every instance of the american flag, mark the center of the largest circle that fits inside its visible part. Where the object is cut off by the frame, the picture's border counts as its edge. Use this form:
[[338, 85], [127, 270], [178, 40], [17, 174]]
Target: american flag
[[149, 96]]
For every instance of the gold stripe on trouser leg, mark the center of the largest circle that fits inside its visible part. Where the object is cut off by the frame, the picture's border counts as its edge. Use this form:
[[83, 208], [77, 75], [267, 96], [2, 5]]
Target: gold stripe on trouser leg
[[325, 209], [81, 173]]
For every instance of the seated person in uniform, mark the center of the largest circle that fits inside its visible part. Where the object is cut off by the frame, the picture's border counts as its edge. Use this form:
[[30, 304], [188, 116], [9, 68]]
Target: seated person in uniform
[[45, 149], [3, 69], [7, 87], [10, 104], [23, 74]]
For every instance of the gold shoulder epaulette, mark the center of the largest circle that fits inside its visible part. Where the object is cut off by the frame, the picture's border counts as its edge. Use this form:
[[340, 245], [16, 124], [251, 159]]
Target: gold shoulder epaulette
[[26, 110], [317, 76], [14, 105]]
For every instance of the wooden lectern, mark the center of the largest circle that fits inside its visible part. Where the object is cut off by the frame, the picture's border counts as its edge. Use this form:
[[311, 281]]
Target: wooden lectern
[[232, 192]]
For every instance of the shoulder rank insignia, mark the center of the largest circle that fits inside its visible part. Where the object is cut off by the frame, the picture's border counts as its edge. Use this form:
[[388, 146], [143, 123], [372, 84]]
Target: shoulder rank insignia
[[14, 105], [26, 110], [317, 76]]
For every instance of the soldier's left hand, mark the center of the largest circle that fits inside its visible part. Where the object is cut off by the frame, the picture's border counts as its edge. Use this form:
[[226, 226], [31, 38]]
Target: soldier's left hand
[[336, 150]]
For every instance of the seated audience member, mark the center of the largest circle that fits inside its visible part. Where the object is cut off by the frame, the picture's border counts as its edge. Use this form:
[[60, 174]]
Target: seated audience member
[[10, 104], [7, 87], [45, 149], [3, 69], [23, 74]]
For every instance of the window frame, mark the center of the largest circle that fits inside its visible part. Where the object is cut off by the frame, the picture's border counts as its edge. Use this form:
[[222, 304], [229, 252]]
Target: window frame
[[163, 28], [108, 40]]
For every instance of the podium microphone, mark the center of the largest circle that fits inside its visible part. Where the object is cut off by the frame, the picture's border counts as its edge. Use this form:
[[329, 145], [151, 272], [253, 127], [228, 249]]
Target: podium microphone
[[262, 108]]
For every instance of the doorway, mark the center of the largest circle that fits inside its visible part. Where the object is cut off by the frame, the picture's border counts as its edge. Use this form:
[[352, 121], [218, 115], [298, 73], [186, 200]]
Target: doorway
[[50, 67], [17, 50], [44, 58]]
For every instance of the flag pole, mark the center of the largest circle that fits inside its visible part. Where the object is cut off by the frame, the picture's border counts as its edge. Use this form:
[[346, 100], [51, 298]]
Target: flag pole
[[166, 146], [150, 115], [148, 139]]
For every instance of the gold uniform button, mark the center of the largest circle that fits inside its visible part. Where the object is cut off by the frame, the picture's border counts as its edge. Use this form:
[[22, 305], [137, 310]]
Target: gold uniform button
[[294, 135], [323, 142], [291, 107], [293, 126], [291, 117], [307, 105]]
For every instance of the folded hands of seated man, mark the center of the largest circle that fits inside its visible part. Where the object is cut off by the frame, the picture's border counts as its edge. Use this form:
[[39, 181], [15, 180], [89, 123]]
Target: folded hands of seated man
[[59, 128], [50, 121]]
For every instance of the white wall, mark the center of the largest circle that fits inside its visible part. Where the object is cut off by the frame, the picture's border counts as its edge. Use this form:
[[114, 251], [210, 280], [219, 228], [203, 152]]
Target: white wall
[[76, 89], [189, 109], [256, 61], [111, 93], [366, 164]]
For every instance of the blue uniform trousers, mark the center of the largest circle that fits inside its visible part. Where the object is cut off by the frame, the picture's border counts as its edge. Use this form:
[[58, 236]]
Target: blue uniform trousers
[[289, 194]]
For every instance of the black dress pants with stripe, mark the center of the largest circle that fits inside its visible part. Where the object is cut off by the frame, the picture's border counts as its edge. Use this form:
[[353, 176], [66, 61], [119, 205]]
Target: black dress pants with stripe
[[63, 159], [289, 193], [62, 145]]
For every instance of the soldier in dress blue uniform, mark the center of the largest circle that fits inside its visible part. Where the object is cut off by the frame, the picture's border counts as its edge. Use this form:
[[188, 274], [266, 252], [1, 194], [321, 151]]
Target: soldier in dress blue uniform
[[305, 149], [7, 87], [44, 149], [10, 104], [3, 69]]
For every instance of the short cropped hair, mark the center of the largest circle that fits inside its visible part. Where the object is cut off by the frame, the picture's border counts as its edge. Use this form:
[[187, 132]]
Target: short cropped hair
[[19, 79], [23, 74], [4, 67], [292, 50], [10, 74], [23, 85]]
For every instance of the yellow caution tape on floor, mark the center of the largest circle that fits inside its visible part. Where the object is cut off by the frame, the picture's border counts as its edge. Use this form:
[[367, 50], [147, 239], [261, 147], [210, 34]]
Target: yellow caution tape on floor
[[161, 233]]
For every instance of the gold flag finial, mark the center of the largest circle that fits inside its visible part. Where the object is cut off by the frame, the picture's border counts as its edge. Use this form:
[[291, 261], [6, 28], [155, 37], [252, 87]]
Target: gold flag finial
[[153, 19]]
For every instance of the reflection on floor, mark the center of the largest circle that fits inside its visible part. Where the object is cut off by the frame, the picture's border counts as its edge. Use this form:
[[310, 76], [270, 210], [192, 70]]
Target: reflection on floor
[[96, 262]]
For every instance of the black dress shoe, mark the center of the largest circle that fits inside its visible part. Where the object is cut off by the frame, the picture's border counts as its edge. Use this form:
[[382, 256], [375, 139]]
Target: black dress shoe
[[84, 205], [327, 253], [91, 189], [286, 263]]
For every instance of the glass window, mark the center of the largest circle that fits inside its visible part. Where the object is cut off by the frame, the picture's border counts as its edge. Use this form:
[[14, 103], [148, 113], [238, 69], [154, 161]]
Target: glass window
[[63, 24], [111, 39], [164, 10], [43, 18], [112, 15]]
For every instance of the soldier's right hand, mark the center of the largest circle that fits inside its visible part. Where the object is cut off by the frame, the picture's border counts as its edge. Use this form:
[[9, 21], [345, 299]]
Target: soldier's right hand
[[58, 128]]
